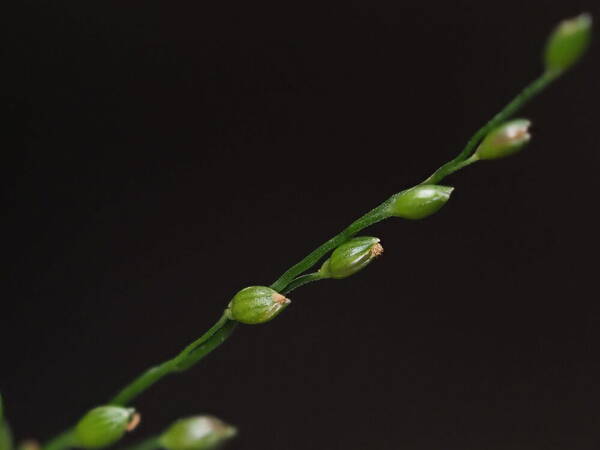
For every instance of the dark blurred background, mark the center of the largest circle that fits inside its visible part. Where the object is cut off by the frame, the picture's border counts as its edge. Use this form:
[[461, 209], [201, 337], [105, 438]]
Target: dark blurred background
[[159, 156]]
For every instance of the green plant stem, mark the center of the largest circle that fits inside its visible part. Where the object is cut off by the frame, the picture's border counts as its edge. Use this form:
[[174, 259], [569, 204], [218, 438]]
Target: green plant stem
[[302, 280], [63, 440], [375, 215], [290, 279], [530, 91], [379, 213], [189, 356], [150, 443], [461, 165], [6, 441]]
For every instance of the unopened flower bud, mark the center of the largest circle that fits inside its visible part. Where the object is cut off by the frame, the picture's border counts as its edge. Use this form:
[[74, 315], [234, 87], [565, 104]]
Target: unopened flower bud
[[105, 425], [505, 140], [420, 201], [351, 257], [196, 433], [568, 42], [257, 304]]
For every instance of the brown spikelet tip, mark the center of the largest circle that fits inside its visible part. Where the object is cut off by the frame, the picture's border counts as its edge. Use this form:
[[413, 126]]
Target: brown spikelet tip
[[376, 250], [134, 422], [278, 298], [518, 133], [514, 132]]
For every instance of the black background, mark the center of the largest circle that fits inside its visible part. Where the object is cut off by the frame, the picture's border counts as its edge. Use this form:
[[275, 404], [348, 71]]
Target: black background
[[159, 156]]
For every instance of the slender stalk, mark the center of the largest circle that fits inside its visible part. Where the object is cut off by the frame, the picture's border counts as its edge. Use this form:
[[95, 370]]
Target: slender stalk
[[375, 215], [6, 440], [150, 443], [63, 440], [530, 91], [378, 214], [291, 280], [461, 165], [189, 356], [301, 281]]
